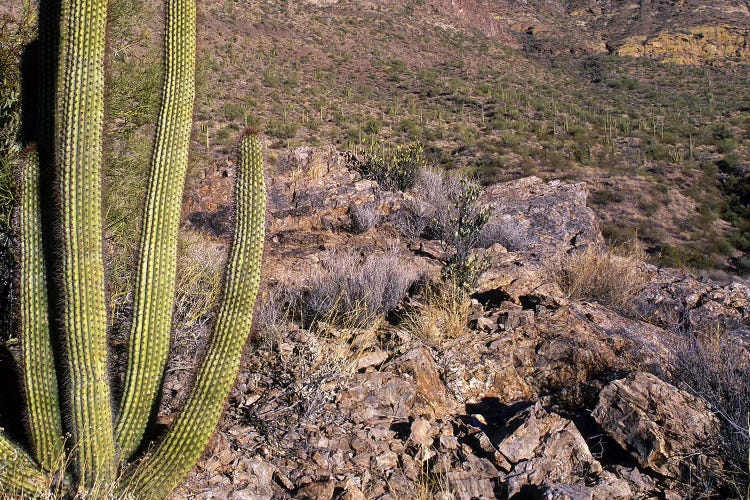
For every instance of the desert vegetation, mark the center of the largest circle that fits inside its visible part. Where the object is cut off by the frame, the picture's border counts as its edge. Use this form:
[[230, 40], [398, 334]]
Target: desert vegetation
[[719, 375], [612, 276], [355, 291], [392, 279]]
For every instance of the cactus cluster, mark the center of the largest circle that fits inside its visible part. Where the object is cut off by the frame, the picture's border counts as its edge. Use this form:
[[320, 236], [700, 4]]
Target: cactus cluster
[[94, 450]]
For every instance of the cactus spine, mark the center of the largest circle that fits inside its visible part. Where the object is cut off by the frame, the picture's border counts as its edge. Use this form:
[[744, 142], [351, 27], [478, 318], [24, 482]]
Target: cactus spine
[[152, 316], [93, 447]]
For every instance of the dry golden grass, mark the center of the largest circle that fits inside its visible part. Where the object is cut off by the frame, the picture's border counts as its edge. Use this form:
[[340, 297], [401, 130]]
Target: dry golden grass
[[198, 283], [428, 485], [611, 277], [343, 345], [442, 314]]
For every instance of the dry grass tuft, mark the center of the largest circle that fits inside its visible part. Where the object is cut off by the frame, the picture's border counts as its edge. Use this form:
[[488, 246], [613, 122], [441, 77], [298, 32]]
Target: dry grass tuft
[[442, 314], [334, 341], [198, 283], [341, 346], [274, 315], [429, 485], [611, 277]]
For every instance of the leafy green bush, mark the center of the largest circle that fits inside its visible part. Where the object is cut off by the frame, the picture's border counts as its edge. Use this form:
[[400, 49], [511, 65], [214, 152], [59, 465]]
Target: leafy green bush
[[394, 170], [464, 232]]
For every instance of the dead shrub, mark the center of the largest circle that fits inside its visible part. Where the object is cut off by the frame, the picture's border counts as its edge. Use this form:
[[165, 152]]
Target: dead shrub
[[435, 193], [712, 364], [362, 217], [610, 277], [273, 315], [355, 291], [506, 233]]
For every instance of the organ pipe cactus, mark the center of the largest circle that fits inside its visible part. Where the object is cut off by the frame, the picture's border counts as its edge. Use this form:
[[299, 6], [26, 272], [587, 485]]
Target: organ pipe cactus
[[94, 450]]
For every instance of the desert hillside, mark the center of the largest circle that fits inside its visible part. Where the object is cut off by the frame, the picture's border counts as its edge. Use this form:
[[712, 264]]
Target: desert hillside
[[507, 243], [564, 370], [646, 102]]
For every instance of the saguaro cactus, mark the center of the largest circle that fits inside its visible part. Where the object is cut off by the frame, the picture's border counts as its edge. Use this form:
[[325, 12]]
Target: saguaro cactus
[[99, 456]]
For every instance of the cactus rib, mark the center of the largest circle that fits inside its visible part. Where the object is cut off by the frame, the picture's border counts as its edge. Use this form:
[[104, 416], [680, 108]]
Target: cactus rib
[[84, 314], [152, 315], [40, 379], [187, 438]]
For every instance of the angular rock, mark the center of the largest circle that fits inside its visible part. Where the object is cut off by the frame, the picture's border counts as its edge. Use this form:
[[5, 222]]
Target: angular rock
[[564, 352], [321, 490], [543, 218], [422, 434], [372, 395], [658, 424], [468, 485], [353, 493], [431, 397], [545, 450], [368, 359], [674, 297]]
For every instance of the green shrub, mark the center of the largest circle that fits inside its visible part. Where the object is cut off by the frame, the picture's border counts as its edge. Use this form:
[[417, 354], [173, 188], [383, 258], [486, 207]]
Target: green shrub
[[281, 129], [605, 196], [394, 170], [447, 208]]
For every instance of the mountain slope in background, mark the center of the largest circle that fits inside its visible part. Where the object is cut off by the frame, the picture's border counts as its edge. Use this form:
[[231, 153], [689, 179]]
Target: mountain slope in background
[[499, 89], [693, 32]]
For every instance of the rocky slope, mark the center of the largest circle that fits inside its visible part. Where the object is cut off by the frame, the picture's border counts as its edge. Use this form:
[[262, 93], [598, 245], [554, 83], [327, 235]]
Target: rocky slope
[[541, 395], [684, 32]]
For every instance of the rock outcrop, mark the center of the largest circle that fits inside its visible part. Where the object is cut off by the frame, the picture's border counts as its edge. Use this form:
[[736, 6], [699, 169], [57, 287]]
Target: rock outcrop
[[543, 396], [543, 218], [685, 32]]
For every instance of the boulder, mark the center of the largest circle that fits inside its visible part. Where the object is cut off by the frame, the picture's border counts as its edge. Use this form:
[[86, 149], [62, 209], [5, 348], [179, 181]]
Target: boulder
[[663, 428], [532, 216], [546, 450], [561, 352], [676, 298]]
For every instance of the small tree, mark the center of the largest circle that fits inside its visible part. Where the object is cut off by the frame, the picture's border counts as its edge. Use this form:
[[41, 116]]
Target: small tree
[[463, 234]]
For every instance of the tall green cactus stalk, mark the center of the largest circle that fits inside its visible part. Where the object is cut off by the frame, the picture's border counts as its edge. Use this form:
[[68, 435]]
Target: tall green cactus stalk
[[193, 427], [40, 378], [93, 451], [84, 314], [154, 291]]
